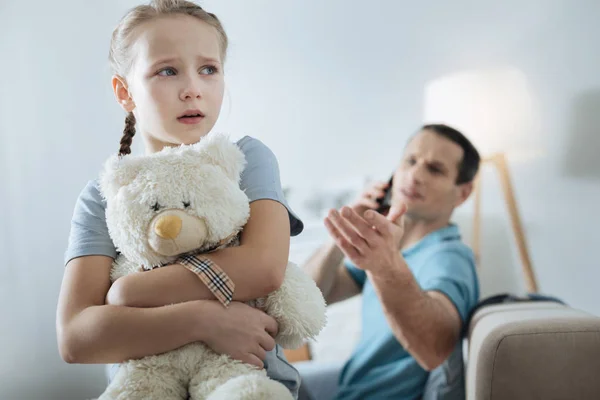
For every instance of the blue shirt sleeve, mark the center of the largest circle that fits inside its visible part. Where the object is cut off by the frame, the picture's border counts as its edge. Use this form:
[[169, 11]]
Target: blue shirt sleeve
[[260, 179], [89, 232], [359, 276], [454, 275]]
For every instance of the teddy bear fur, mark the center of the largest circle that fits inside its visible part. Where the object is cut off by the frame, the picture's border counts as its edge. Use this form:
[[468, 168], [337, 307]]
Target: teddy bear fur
[[198, 186]]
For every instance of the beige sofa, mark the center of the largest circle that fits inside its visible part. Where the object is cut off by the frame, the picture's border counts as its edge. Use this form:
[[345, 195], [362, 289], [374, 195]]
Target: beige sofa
[[532, 350], [516, 351]]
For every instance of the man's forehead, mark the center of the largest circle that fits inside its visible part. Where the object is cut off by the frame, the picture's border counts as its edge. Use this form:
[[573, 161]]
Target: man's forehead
[[434, 147]]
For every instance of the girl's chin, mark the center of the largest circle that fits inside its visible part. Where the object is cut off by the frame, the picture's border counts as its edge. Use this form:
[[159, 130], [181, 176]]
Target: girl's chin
[[186, 139]]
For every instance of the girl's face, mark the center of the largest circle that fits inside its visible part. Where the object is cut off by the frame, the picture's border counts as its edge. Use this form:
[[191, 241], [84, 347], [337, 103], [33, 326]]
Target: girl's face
[[176, 71]]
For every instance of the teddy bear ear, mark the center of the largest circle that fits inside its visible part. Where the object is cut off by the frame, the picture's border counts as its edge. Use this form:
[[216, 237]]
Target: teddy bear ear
[[118, 171], [219, 150]]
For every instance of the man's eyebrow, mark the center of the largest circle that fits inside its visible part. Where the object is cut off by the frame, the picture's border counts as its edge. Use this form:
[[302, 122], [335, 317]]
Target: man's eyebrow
[[438, 164]]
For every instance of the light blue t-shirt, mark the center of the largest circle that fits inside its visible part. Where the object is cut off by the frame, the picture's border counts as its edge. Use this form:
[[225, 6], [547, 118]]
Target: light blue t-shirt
[[380, 368], [259, 180]]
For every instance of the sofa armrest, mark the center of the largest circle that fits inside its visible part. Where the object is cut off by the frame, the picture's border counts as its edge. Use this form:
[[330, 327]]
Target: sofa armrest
[[533, 351]]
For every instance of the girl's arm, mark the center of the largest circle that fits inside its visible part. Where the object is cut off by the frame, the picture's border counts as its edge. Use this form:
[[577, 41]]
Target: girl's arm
[[89, 331], [257, 266]]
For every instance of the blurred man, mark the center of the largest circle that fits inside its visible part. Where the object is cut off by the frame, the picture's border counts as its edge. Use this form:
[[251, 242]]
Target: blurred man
[[416, 275]]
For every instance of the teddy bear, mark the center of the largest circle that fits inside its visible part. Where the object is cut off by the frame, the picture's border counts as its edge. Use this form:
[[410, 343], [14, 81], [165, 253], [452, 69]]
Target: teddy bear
[[187, 200]]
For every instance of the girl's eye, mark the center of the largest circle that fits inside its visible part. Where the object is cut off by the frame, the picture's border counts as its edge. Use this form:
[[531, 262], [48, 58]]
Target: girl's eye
[[167, 72], [208, 70], [156, 206]]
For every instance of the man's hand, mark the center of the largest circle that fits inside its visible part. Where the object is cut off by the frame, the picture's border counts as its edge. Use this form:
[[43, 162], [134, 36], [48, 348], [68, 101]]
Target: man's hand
[[371, 241], [368, 198]]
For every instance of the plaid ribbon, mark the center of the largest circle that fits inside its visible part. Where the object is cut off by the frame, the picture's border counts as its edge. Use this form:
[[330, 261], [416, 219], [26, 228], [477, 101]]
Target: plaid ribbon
[[212, 275]]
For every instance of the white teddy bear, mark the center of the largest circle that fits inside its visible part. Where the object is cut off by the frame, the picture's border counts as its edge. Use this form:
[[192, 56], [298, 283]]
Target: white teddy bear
[[186, 200]]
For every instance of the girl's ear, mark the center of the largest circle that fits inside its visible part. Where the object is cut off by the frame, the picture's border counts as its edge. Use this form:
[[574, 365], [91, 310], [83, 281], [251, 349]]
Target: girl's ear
[[122, 93]]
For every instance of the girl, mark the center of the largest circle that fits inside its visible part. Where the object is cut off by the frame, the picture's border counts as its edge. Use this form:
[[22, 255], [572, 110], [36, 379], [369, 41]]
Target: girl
[[167, 59]]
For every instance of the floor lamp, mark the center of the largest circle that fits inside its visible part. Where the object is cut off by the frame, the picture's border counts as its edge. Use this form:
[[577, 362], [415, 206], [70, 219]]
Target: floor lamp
[[498, 161], [494, 109]]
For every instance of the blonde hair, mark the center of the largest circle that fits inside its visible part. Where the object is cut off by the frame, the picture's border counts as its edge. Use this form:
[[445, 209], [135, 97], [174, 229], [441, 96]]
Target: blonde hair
[[120, 57]]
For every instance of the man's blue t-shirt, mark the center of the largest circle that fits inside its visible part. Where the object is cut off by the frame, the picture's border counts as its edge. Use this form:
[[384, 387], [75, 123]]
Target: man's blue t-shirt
[[380, 368]]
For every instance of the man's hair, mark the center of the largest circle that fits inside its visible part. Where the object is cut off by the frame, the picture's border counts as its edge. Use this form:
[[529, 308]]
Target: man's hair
[[469, 165]]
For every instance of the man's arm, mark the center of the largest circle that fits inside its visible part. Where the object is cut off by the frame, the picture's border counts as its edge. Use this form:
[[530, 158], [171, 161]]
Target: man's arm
[[327, 269], [256, 267], [326, 265], [426, 323]]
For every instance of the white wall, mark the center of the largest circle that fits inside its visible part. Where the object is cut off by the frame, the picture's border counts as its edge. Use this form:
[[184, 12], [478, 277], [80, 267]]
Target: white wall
[[335, 88]]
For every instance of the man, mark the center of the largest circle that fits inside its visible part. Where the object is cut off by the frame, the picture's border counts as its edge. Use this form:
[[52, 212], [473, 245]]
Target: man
[[417, 277]]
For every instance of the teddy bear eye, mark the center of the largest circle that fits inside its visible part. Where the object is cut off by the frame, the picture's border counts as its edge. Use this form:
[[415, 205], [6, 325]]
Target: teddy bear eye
[[156, 206], [186, 204]]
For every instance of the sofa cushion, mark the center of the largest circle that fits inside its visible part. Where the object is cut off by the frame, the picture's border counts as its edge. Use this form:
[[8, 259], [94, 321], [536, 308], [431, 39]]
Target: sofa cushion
[[526, 351]]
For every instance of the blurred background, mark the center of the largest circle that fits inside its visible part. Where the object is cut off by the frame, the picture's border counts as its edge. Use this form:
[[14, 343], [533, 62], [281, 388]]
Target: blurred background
[[335, 88]]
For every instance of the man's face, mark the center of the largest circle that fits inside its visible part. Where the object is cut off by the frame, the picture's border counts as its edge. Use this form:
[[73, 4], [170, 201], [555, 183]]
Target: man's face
[[426, 179]]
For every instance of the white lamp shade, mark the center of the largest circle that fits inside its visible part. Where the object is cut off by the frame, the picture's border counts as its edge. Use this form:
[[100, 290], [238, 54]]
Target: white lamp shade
[[494, 108]]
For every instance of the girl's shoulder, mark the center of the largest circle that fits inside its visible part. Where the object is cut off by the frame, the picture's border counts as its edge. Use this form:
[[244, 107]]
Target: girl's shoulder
[[91, 194], [254, 148]]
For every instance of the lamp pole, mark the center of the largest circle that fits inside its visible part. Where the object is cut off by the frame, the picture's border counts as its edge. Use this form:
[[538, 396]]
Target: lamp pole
[[498, 160]]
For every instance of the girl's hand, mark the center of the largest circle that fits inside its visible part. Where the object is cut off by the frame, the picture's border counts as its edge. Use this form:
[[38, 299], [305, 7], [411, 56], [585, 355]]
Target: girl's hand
[[243, 332]]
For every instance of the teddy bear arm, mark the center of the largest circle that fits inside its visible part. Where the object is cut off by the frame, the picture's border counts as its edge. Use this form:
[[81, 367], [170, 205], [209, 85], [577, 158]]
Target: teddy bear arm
[[298, 307]]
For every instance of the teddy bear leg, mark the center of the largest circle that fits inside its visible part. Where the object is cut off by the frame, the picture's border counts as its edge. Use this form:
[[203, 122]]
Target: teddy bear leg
[[219, 377], [251, 387], [142, 380]]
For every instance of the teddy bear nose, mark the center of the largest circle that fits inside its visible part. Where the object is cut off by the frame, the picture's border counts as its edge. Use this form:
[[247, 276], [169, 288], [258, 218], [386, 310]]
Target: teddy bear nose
[[168, 227]]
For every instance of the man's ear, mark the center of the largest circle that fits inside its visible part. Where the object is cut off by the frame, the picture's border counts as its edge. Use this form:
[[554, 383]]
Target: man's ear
[[122, 93], [464, 191]]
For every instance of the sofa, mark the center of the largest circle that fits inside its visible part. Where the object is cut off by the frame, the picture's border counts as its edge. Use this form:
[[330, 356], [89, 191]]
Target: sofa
[[523, 350], [532, 350]]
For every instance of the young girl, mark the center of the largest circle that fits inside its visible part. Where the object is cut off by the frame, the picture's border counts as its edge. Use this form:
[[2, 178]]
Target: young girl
[[168, 59]]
